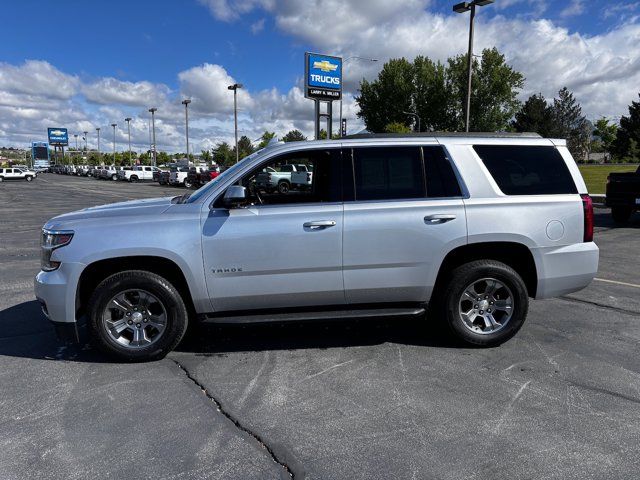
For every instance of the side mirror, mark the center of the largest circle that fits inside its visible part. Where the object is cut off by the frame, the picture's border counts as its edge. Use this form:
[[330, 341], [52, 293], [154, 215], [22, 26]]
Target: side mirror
[[235, 196]]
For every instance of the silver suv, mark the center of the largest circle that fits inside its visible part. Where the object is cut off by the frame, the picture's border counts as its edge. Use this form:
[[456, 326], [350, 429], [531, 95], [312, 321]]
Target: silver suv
[[464, 229]]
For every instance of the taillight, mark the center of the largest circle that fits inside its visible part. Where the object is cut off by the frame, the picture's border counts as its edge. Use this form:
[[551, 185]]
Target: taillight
[[587, 207]]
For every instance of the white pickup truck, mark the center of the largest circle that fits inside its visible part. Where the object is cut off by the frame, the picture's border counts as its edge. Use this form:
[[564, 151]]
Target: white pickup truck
[[17, 174], [138, 173], [284, 177]]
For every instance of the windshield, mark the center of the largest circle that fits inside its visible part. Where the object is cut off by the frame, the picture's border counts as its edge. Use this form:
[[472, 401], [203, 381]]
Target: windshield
[[207, 187]]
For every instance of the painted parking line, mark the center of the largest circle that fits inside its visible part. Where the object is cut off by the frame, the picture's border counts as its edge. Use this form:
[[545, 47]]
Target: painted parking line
[[617, 283]]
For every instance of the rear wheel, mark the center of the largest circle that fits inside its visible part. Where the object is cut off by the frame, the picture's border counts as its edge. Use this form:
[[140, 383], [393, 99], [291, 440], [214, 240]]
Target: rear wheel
[[133, 178], [1, 179], [188, 184], [137, 316], [283, 187], [28, 178], [485, 302], [620, 214], [114, 177]]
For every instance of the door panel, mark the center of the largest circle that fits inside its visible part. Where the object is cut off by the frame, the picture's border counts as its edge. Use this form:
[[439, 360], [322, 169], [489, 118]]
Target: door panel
[[265, 257], [393, 249]]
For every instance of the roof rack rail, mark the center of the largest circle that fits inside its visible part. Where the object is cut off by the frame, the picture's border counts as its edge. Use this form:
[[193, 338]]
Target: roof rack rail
[[446, 134]]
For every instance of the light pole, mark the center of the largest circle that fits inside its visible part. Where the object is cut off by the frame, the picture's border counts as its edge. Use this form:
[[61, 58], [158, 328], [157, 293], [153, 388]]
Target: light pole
[[462, 8], [85, 141], [153, 110], [414, 115], [186, 103], [343, 64], [98, 130], [128, 120], [235, 88], [76, 135], [114, 125]]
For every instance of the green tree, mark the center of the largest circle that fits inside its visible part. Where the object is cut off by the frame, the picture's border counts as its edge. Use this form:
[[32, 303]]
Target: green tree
[[205, 155], [265, 139], [223, 154], [628, 135], [569, 123], [397, 127], [437, 93], [245, 147], [534, 116], [163, 158], [606, 132], [294, 136], [384, 100]]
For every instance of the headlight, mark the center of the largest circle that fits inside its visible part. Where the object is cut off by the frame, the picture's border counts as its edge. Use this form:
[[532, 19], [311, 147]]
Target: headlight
[[52, 239]]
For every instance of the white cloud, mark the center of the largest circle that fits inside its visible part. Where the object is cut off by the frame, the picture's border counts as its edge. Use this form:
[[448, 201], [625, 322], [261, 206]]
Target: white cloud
[[109, 91], [258, 26], [576, 7]]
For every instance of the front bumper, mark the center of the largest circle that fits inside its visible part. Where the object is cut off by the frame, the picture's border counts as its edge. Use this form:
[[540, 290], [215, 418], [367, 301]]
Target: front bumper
[[56, 292], [567, 269]]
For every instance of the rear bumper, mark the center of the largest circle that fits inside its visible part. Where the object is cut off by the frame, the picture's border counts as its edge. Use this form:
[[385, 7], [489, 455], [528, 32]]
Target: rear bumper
[[566, 269]]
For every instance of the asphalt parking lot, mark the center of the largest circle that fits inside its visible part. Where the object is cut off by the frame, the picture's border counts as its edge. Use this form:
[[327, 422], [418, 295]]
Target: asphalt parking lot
[[391, 399]]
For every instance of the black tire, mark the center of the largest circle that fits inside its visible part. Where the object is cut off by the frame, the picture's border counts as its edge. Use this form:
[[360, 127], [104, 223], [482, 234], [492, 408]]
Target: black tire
[[165, 292], [133, 178], [283, 187], [114, 177], [187, 184], [28, 178], [1, 179], [620, 214], [464, 276]]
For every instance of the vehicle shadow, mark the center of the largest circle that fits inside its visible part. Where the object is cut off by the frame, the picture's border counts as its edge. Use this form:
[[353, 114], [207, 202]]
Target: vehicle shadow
[[27, 333], [602, 219]]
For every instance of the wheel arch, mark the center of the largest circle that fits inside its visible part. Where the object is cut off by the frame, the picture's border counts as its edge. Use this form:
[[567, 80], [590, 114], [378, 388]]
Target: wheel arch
[[517, 255], [94, 273]]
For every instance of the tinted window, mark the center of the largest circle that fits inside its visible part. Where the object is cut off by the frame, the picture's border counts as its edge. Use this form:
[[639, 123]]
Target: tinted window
[[388, 173], [521, 170], [270, 184], [441, 179]]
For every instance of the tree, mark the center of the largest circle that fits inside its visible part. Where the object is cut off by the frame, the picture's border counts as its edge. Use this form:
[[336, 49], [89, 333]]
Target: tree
[[606, 132], [245, 148], [569, 123], [534, 116], [323, 135], [265, 139], [205, 155], [294, 136], [437, 93], [628, 135], [223, 154], [163, 158], [397, 127]]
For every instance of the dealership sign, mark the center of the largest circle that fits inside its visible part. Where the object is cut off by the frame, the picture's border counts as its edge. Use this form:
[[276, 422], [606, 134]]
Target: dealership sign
[[58, 136], [323, 77]]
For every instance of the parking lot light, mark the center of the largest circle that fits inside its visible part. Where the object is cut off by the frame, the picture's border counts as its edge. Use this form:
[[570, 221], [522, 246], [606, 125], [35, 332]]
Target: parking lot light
[[186, 103], [98, 130], [462, 8], [114, 125], [128, 120], [153, 110], [235, 88]]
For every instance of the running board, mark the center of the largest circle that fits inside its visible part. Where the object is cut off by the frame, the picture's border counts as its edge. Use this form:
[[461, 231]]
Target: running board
[[318, 315]]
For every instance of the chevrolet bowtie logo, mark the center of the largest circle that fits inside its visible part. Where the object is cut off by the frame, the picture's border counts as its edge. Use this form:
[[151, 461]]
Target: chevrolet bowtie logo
[[325, 66], [57, 133]]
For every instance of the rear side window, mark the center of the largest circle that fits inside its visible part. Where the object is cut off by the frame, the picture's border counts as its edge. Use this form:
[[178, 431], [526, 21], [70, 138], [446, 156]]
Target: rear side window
[[441, 180], [527, 170], [388, 173]]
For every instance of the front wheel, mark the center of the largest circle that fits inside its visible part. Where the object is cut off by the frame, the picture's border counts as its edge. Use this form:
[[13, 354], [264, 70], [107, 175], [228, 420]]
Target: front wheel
[[137, 316], [485, 302], [620, 214], [28, 178], [114, 177], [188, 184], [283, 187]]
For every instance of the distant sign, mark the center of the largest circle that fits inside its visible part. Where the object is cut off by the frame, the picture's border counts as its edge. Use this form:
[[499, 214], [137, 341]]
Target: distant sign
[[58, 136], [323, 76]]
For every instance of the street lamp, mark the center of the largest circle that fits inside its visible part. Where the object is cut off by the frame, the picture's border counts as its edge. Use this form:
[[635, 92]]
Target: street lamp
[[462, 8], [114, 125], [98, 130], [128, 120], [415, 115], [186, 103], [85, 141], [343, 64], [76, 135], [153, 110], [235, 88]]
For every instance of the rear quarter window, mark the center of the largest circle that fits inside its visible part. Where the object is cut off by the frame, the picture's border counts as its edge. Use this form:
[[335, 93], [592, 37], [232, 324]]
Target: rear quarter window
[[527, 170]]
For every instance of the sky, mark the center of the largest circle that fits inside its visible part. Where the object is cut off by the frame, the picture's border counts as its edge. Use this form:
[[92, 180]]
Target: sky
[[82, 65]]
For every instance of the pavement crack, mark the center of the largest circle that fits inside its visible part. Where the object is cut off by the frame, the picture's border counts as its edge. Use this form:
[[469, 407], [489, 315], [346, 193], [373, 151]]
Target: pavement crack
[[235, 421], [600, 305]]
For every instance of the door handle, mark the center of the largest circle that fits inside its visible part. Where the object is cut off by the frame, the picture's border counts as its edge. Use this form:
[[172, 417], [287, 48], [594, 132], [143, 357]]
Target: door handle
[[320, 224], [438, 219]]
